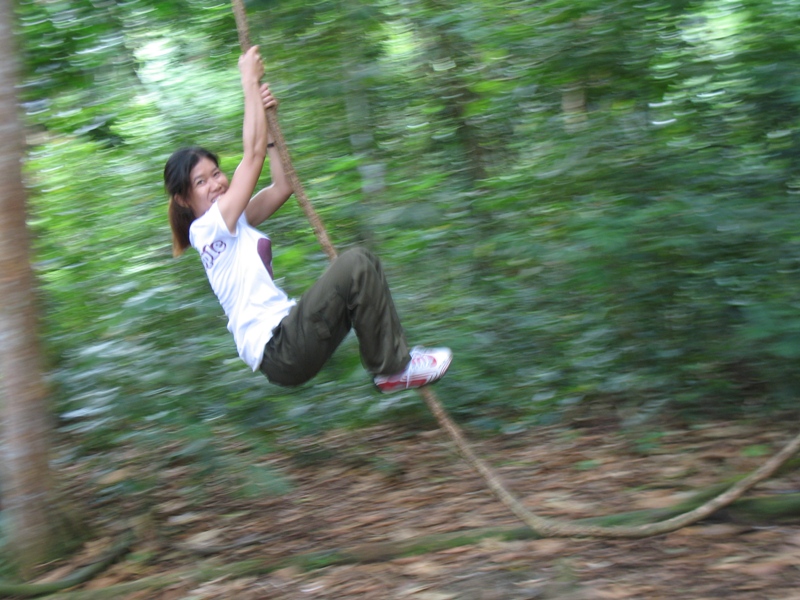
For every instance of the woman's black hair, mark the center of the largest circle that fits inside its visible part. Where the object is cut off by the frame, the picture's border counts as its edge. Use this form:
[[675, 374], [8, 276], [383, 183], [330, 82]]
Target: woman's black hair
[[178, 183], [178, 170]]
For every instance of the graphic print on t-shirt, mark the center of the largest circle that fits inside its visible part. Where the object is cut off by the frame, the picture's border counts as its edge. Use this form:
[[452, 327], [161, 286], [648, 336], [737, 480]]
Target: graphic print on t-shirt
[[265, 252], [211, 252]]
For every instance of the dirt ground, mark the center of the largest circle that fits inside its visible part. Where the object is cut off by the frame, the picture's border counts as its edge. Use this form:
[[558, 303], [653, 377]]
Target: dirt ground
[[348, 488]]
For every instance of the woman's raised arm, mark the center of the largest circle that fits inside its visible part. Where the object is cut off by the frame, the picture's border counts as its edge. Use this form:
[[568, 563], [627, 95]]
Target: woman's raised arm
[[254, 138]]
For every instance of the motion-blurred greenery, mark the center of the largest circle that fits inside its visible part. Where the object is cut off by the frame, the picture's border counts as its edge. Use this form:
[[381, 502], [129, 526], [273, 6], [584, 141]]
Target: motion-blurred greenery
[[588, 201]]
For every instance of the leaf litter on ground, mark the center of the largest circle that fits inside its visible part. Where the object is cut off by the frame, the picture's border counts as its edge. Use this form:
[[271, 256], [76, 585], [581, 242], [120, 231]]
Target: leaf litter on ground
[[346, 499]]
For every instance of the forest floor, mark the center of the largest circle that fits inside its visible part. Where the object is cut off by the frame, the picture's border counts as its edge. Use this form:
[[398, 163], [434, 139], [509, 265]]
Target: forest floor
[[392, 484]]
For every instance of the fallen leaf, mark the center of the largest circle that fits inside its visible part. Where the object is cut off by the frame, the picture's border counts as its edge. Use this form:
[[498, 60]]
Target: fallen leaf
[[204, 539], [187, 518], [115, 477], [548, 546], [422, 567], [656, 499], [172, 506], [435, 596], [715, 530], [55, 574], [763, 568]]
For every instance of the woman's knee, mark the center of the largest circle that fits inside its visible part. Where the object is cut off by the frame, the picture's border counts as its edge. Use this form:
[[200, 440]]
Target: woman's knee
[[358, 260], [358, 255]]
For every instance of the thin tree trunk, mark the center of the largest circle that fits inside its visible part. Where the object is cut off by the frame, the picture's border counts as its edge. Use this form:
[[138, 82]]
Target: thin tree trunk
[[24, 415], [573, 107], [359, 122], [452, 53]]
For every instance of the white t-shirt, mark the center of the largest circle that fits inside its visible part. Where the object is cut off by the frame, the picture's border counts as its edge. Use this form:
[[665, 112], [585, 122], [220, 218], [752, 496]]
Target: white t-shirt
[[239, 268]]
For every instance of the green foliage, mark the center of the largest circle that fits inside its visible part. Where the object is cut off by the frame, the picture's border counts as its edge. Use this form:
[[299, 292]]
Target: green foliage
[[756, 451], [587, 201]]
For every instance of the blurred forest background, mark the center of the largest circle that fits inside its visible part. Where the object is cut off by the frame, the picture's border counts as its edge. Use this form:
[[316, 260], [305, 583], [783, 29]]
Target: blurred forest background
[[593, 203]]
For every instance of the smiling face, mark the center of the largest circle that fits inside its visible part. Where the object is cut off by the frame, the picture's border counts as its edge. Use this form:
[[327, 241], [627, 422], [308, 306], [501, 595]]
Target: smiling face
[[207, 184]]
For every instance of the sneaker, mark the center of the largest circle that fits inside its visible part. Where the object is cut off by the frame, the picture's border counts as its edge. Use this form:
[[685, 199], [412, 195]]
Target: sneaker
[[427, 365]]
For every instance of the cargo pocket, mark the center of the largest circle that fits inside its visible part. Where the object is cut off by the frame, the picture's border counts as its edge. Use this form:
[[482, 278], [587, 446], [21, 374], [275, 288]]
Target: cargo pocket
[[329, 318]]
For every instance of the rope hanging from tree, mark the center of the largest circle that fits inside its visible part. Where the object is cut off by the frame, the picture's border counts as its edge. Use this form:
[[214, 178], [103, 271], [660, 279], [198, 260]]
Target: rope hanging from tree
[[280, 142], [543, 526]]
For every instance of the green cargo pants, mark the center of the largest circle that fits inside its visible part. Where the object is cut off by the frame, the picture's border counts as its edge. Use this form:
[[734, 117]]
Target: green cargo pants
[[352, 293]]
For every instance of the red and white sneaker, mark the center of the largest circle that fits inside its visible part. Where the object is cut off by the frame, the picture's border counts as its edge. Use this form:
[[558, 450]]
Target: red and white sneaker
[[427, 365]]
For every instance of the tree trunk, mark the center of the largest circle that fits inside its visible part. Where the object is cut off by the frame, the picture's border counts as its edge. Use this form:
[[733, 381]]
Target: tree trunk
[[449, 56], [573, 106], [359, 120], [25, 421]]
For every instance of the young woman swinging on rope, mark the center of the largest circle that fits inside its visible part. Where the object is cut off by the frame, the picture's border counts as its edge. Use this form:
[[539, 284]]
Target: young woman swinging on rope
[[288, 340]]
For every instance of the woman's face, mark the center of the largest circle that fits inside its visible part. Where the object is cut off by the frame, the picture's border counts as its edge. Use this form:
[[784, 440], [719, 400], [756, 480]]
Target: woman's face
[[207, 184]]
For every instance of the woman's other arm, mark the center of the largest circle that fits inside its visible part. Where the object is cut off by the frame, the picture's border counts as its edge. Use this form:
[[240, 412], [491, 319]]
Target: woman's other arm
[[264, 204]]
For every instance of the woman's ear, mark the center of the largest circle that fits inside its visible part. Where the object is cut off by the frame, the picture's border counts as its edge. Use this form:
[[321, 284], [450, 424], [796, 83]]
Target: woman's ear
[[180, 201]]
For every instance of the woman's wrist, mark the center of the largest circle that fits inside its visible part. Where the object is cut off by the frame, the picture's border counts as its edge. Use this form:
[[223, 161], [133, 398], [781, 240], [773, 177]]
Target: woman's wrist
[[250, 81]]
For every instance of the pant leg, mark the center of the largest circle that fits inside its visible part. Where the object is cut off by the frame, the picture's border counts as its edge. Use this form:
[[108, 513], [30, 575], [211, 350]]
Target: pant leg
[[352, 293]]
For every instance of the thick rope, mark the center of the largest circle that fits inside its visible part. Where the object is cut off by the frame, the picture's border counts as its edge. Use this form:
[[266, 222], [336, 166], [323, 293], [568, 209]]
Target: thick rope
[[280, 143], [547, 527], [543, 526]]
